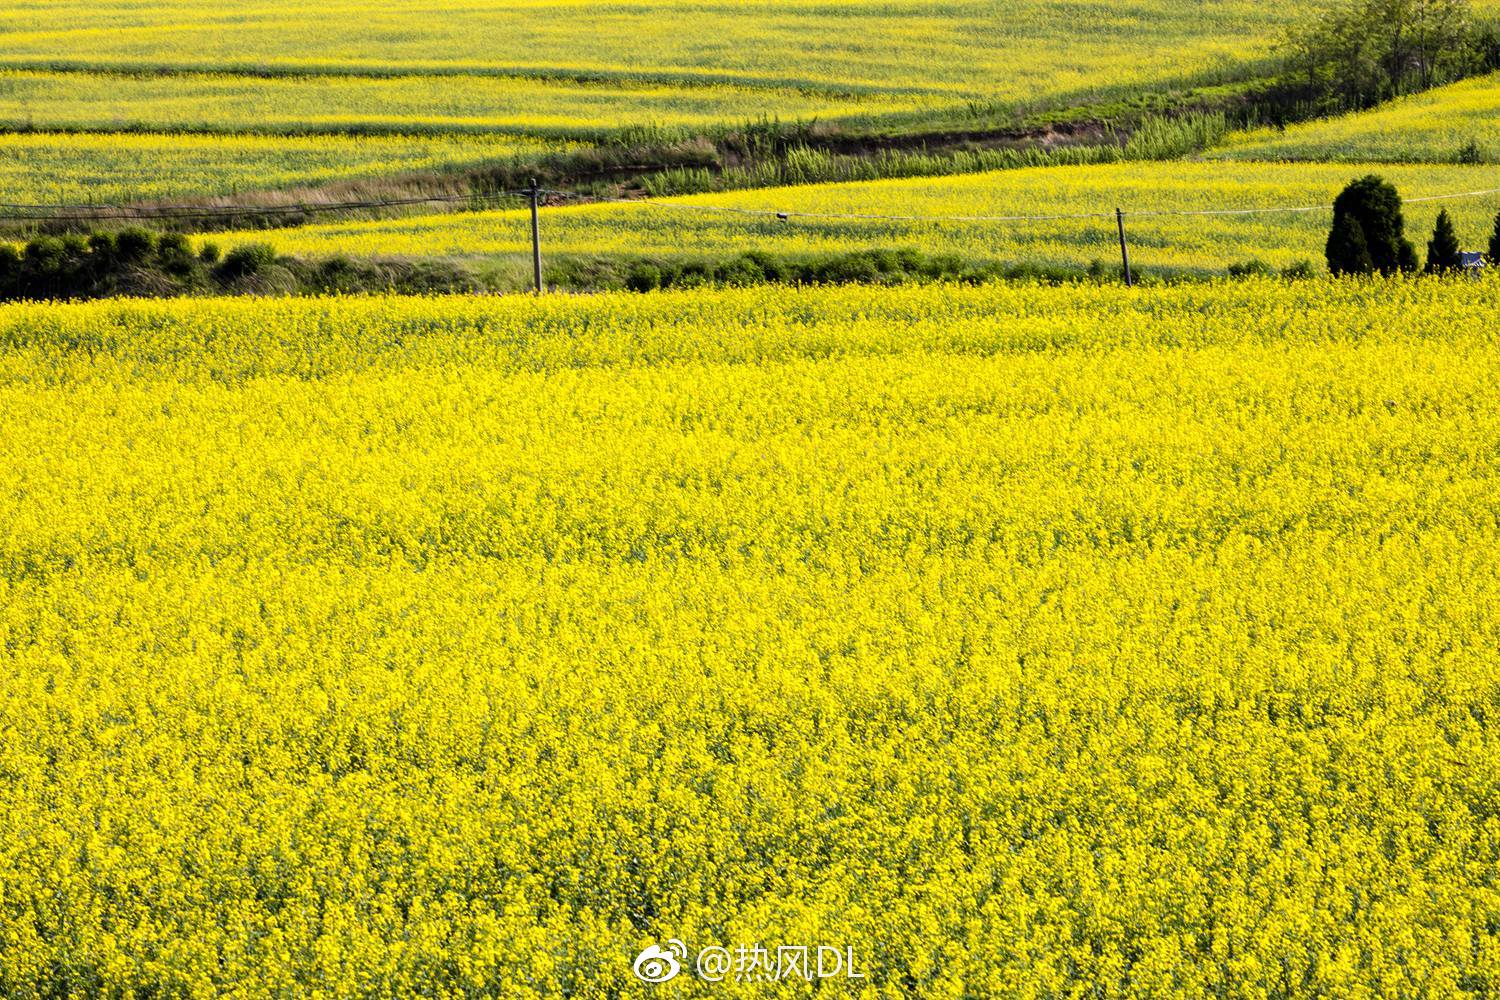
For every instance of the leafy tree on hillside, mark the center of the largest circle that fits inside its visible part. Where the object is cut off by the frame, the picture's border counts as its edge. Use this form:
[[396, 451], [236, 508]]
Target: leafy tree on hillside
[[1372, 207], [1443, 252], [1368, 51]]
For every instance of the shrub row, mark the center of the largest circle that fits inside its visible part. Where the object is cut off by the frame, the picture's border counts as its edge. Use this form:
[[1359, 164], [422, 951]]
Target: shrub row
[[871, 267], [138, 263], [135, 263]]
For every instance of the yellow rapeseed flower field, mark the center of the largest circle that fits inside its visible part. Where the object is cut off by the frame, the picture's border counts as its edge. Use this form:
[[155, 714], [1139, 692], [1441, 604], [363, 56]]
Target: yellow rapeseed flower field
[[414, 104], [1169, 241], [550, 66], [1013, 49], [1454, 124], [1449, 125], [1031, 642], [77, 168]]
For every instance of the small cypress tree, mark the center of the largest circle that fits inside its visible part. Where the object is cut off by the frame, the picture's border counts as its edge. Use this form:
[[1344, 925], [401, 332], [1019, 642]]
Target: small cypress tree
[[1375, 208], [1407, 258], [1495, 243], [1443, 254], [1348, 253]]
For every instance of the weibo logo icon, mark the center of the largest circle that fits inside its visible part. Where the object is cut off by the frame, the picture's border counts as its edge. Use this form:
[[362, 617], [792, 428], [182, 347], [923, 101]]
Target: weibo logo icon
[[659, 965]]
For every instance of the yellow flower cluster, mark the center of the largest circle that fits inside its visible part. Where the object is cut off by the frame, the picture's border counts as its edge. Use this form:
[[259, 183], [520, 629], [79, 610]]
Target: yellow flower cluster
[[420, 103], [76, 168], [1018, 52], [1458, 123], [1202, 243], [1031, 642]]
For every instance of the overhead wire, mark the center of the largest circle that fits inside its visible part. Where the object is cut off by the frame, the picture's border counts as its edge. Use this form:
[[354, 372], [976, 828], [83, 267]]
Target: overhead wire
[[76, 213], [79, 213]]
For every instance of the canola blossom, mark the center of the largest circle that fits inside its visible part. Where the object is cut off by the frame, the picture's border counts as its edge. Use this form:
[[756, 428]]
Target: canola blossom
[[1459, 123], [73, 169], [797, 54], [716, 224], [417, 104], [1033, 642]]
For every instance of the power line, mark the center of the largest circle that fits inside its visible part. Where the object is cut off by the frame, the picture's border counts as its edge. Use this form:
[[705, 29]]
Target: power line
[[679, 206], [1273, 210], [65, 213], [1144, 213], [1450, 197]]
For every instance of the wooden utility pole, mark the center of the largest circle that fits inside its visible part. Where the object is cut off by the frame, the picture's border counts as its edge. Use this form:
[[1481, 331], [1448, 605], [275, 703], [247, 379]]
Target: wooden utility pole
[[1124, 251], [536, 236]]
